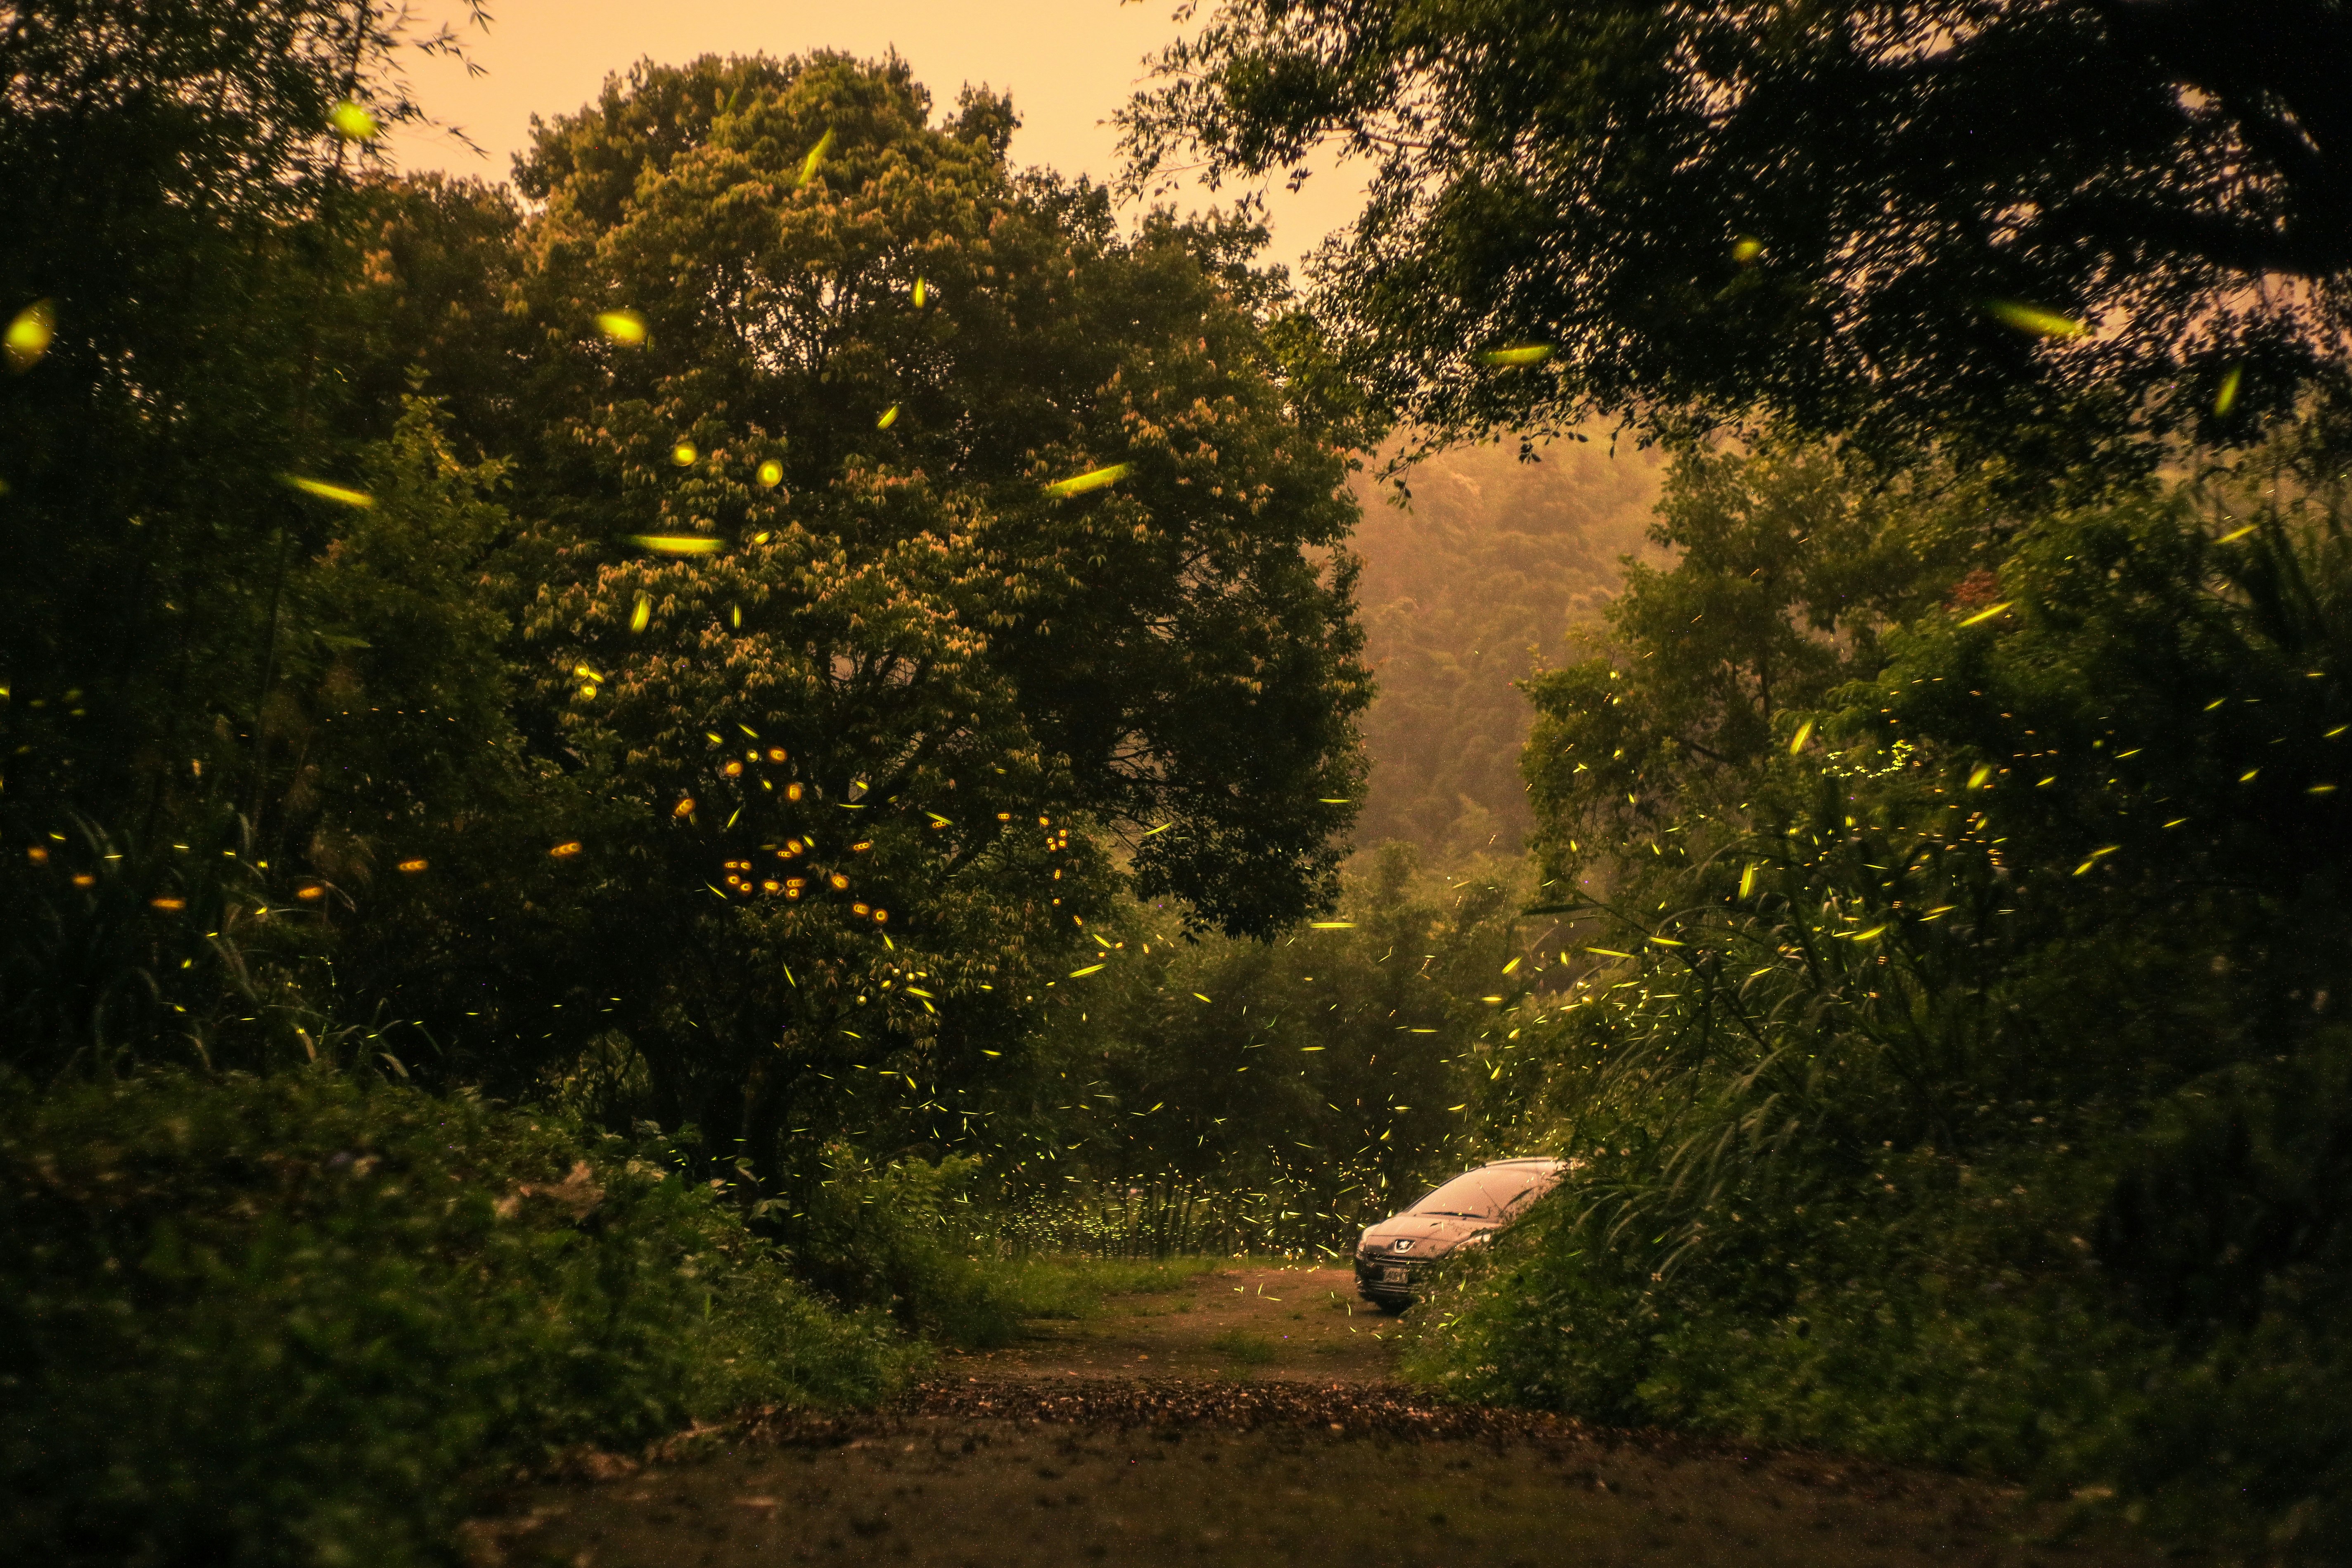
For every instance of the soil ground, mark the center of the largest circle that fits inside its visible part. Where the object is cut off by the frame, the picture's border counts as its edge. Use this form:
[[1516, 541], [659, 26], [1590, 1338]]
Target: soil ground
[[1246, 1418]]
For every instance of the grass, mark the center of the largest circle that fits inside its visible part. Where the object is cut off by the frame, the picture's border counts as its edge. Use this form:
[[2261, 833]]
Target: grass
[[1241, 1346], [1071, 1288]]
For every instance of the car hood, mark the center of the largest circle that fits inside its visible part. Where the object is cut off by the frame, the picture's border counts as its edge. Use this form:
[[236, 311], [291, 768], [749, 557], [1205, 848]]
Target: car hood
[[1432, 1234]]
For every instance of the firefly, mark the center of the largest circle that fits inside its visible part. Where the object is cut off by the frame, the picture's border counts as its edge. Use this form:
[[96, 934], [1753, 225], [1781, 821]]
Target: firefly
[[414, 865], [336, 493], [2227, 398], [673, 544], [921, 294], [30, 333], [771, 474], [169, 905], [352, 123], [1531, 354], [1094, 479], [684, 808], [889, 417], [816, 156], [1747, 249], [1988, 613], [1804, 733], [2032, 319], [622, 326], [566, 850], [775, 753], [838, 882], [684, 454]]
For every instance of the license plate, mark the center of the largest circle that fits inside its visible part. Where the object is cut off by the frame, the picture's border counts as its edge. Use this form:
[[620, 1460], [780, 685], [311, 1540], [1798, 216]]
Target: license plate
[[1393, 1274]]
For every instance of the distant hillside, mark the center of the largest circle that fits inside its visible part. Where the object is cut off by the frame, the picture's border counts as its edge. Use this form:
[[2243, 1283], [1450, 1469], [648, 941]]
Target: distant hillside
[[1485, 573]]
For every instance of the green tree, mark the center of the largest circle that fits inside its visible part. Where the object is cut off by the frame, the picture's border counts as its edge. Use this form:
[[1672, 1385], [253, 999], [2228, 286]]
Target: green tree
[[1792, 561], [856, 738], [183, 197], [1708, 207]]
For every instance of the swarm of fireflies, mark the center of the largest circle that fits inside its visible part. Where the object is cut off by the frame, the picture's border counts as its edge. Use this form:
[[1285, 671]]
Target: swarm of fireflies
[[671, 545], [352, 123], [1528, 353], [2032, 319], [30, 333], [340, 495], [815, 157], [622, 326], [1093, 480]]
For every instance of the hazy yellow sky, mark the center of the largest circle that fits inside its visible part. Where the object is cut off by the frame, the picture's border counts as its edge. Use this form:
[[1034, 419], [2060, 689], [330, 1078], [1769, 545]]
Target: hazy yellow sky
[[1067, 63]]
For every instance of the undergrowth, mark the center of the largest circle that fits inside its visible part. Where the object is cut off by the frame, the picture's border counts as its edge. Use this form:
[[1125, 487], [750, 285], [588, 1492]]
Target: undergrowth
[[306, 1318]]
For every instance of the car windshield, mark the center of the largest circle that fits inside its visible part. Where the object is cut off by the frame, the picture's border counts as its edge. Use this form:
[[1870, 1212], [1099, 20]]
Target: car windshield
[[1488, 1195]]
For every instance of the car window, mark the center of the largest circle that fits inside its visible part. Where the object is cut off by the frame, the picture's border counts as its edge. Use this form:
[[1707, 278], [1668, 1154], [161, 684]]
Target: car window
[[1488, 1195]]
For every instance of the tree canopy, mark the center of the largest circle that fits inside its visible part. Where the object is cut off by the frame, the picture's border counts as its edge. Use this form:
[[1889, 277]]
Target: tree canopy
[[2048, 226]]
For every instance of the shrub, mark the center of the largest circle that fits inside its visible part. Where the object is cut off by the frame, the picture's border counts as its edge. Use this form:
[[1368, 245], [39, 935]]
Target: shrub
[[905, 1236], [303, 1319]]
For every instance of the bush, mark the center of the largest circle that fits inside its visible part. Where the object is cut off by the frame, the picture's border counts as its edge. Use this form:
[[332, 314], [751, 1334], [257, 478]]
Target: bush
[[905, 1236], [303, 1319]]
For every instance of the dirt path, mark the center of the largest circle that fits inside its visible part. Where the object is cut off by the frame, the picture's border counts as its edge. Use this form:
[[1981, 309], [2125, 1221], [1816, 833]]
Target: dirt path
[[1247, 1419]]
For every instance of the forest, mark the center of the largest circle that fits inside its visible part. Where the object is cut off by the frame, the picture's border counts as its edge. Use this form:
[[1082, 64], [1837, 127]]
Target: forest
[[624, 795]]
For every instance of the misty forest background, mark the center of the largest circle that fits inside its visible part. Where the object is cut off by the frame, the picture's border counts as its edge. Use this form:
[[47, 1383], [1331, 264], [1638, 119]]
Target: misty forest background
[[631, 796]]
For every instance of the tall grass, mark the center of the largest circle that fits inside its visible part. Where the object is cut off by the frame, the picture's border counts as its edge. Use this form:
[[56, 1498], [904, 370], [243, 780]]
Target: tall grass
[[1284, 1216]]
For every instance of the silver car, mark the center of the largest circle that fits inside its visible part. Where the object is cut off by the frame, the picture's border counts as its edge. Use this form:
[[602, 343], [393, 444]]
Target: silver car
[[1397, 1253]]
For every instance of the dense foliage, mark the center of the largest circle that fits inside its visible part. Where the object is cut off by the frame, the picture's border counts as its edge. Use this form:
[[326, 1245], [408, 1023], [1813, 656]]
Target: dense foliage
[[304, 1319], [1961, 1078], [638, 653], [1831, 211]]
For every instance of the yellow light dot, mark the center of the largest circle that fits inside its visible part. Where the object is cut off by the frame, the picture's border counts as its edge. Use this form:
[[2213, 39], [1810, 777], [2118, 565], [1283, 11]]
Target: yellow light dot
[[30, 333], [354, 124]]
